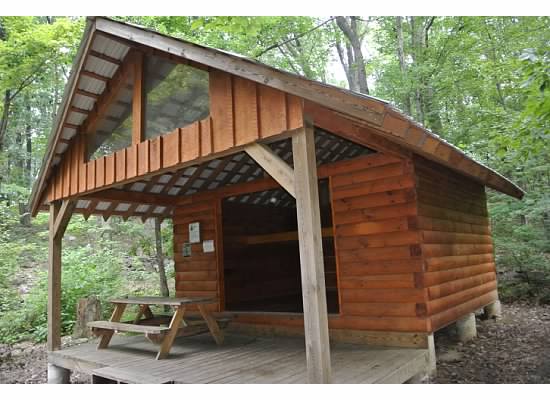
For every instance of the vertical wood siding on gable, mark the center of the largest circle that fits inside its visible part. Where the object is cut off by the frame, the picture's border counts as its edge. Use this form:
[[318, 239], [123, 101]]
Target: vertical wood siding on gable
[[241, 112]]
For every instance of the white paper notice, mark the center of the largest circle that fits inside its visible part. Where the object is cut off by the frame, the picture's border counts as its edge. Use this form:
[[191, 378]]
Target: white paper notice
[[195, 232], [208, 246]]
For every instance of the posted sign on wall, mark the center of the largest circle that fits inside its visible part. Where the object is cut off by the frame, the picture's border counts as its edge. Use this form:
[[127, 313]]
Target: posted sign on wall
[[194, 232]]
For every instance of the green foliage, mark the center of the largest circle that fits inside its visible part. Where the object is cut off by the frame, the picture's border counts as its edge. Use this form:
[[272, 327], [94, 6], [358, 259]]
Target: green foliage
[[85, 273]]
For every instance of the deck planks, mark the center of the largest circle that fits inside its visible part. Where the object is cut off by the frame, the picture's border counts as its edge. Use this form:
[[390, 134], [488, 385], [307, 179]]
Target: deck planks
[[241, 359]]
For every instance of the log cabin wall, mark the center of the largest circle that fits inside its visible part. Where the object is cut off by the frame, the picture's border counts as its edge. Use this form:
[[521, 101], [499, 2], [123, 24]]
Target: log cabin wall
[[241, 112], [460, 274], [261, 255], [378, 247], [198, 275], [377, 243]]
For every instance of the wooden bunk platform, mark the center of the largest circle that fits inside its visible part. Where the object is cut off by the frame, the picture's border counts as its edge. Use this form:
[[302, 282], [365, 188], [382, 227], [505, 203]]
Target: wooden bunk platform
[[241, 359]]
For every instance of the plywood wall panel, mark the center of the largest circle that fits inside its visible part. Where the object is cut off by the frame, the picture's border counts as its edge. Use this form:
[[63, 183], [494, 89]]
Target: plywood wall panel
[[206, 141], [221, 110], [74, 168], [155, 155], [246, 110], [100, 172], [273, 111], [190, 138], [295, 112], [143, 157], [171, 149], [66, 172], [110, 169], [120, 168], [132, 161], [82, 166], [91, 171]]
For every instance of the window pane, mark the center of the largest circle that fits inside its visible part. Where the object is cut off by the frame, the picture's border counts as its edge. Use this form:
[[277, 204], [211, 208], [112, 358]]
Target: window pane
[[176, 95], [114, 129]]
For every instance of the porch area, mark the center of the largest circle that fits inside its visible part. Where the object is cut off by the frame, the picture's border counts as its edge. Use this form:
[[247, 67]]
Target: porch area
[[241, 359]]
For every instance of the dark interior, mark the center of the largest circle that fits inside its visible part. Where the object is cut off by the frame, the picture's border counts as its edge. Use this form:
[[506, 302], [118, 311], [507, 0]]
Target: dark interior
[[261, 255]]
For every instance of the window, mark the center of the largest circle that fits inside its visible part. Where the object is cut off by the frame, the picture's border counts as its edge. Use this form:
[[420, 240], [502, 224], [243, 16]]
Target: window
[[176, 95], [113, 130]]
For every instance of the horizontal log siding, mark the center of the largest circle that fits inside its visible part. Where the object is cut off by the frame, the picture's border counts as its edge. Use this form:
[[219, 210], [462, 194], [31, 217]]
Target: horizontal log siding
[[457, 247], [241, 112], [197, 275], [378, 247]]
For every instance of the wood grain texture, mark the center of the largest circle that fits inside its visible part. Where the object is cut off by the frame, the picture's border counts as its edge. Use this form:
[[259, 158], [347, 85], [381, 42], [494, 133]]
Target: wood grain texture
[[221, 110], [457, 245], [246, 111], [171, 149], [272, 105]]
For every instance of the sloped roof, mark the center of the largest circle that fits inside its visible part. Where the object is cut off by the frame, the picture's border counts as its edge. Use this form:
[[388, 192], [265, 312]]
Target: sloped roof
[[106, 42]]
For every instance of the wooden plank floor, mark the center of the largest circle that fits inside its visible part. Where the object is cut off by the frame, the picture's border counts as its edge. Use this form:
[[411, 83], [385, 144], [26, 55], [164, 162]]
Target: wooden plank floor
[[241, 359]]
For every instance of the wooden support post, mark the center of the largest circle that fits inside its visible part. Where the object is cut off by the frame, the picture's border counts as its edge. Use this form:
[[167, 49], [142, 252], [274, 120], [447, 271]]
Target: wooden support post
[[58, 374], [273, 165], [311, 256], [138, 106], [60, 214], [54, 282]]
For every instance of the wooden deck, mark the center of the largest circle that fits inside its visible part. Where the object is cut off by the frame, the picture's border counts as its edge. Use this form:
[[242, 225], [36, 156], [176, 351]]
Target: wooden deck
[[241, 359]]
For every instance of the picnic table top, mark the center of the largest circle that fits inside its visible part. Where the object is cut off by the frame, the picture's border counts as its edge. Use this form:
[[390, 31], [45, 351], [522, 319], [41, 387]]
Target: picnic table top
[[163, 301]]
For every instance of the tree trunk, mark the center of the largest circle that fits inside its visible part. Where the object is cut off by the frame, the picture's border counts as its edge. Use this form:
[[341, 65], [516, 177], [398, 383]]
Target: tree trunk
[[355, 67], [88, 310], [28, 139], [160, 260], [415, 50], [401, 57], [4, 119]]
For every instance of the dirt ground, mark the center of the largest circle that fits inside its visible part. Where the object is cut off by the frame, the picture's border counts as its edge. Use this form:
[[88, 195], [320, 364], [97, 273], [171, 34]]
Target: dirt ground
[[513, 349]]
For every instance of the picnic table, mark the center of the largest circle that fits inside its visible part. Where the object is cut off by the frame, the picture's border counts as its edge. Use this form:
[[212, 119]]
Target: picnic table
[[151, 326]]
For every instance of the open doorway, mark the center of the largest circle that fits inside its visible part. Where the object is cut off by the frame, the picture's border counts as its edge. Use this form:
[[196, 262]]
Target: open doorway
[[261, 256]]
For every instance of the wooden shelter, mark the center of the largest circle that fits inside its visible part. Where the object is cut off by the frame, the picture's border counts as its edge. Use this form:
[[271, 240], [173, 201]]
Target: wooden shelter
[[304, 208]]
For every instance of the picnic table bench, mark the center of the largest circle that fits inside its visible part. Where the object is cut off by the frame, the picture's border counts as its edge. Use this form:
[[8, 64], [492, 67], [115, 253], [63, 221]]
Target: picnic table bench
[[151, 325]]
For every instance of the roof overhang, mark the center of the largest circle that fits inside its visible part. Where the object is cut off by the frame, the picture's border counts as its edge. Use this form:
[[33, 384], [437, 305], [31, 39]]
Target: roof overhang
[[377, 115]]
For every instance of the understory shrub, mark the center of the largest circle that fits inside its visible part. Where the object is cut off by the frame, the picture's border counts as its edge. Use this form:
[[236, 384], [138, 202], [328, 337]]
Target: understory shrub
[[85, 272]]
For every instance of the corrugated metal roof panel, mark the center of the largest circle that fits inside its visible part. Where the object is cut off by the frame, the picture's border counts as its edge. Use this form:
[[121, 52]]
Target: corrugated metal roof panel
[[102, 205], [174, 191], [85, 102], [76, 118], [68, 133], [91, 85], [61, 147], [122, 207], [100, 67], [142, 208], [138, 187], [157, 189], [83, 203], [110, 47], [164, 178]]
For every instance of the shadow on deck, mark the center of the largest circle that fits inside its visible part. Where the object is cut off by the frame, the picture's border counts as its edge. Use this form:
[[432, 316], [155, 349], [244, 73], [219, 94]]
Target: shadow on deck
[[241, 359]]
